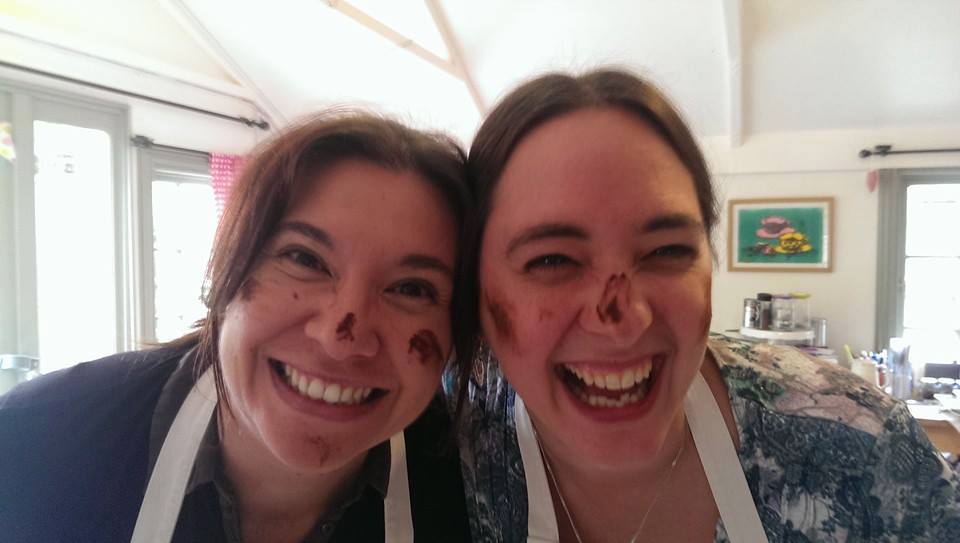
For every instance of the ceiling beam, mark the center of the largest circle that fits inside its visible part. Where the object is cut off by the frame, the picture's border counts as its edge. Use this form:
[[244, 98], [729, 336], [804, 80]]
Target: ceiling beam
[[395, 37], [183, 15], [733, 19], [456, 53]]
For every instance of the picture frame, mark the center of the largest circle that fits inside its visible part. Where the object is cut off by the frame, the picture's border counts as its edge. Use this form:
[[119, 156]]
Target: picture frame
[[780, 234]]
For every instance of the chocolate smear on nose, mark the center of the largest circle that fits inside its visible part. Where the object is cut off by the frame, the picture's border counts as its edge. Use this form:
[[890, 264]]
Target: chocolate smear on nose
[[424, 343], [609, 306], [345, 328]]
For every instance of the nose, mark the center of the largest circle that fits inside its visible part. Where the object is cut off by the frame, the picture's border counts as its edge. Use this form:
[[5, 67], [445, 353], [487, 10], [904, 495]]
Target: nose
[[616, 307], [346, 329]]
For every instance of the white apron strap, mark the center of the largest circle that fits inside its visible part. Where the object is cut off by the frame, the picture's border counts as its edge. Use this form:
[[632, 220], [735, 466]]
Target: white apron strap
[[722, 466], [541, 518], [397, 516], [164, 496]]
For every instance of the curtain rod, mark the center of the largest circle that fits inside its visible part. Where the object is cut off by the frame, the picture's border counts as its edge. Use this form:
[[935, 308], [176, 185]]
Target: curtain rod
[[144, 142], [259, 123], [884, 150]]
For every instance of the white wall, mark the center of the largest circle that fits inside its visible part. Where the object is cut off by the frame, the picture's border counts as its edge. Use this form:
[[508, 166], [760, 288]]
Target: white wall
[[818, 164]]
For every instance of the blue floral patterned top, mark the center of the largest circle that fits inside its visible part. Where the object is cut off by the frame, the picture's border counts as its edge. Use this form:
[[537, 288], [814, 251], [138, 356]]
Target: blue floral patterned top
[[827, 457]]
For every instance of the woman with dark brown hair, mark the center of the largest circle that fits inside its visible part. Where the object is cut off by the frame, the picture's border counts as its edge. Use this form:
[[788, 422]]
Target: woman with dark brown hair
[[598, 408], [333, 280]]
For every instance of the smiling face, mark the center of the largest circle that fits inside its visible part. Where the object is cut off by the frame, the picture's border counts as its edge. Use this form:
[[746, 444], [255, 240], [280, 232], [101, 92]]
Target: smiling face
[[337, 339], [595, 271]]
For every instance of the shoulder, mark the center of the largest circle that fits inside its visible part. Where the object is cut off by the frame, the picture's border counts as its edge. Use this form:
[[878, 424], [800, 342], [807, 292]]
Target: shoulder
[[786, 380], [826, 453], [75, 443], [492, 466]]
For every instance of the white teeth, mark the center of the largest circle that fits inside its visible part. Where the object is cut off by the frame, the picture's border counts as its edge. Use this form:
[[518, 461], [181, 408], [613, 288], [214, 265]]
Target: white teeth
[[332, 393], [603, 401], [621, 380], [318, 389], [613, 381]]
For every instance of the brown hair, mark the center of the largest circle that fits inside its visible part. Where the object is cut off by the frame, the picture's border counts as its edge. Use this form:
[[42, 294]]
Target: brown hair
[[278, 174], [538, 101]]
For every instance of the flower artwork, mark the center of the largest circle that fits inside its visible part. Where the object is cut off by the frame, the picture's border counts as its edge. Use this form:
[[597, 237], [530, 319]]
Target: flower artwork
[[780, 234]]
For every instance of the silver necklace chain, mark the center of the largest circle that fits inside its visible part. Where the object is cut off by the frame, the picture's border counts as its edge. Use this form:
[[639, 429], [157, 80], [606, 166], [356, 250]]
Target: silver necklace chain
[[656, 497]]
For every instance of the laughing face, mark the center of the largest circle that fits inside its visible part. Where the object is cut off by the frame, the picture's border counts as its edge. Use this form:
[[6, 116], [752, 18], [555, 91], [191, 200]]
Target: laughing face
[[337, 339], [595, 270]]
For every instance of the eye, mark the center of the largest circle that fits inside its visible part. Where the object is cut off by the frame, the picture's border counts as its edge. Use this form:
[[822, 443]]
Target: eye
[[549, 262], [415, 289], [674, 252], [304, 259]]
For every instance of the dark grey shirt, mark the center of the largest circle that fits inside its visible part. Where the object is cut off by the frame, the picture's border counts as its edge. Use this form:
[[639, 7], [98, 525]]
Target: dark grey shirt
[[208, 466]]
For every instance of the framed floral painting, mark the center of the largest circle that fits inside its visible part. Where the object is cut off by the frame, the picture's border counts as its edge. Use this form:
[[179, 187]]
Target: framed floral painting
[[780, 234]]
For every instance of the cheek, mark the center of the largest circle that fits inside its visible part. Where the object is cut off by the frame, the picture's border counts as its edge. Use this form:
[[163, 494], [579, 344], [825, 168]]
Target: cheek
[[424, 347]]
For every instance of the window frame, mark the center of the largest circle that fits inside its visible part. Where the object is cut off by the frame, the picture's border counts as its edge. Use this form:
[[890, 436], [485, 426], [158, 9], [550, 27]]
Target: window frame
[[178, 166]]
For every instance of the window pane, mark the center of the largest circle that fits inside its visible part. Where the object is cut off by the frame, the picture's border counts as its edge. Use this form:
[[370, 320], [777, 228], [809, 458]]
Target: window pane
[[932, 295], [184, 222], [933, 220], [76, 275], [933, 346]]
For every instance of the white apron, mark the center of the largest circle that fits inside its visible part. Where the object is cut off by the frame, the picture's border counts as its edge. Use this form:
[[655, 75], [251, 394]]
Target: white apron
[[164, 495], [719, 458]]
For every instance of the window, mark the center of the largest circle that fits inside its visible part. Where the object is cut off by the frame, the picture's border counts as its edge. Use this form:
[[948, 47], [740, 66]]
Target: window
[[181, 214], [918, 293], [65, 206]]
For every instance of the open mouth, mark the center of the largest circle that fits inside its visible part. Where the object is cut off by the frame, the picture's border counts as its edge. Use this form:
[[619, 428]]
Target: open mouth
[[321, 390], [611, 388]]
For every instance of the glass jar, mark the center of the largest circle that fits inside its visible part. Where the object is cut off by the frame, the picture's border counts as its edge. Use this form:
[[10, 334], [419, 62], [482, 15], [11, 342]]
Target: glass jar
[[782, 313], [801, 310]]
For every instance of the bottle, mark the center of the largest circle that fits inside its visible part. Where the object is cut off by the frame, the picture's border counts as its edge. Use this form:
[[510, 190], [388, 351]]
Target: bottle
[[751, 313], [899, 360], [765, 301]]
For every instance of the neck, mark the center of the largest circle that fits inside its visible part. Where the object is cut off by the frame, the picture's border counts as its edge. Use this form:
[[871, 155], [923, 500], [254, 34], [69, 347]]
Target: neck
[[270, 492], [612, 504]]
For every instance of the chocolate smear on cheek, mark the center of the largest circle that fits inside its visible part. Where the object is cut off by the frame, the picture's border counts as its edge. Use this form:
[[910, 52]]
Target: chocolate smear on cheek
[[345, 328], [501, 319], [424, 343], [616, 288]]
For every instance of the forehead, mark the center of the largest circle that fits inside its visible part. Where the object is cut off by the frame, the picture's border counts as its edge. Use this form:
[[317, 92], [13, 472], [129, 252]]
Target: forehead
[[590, 161], [357, 199]]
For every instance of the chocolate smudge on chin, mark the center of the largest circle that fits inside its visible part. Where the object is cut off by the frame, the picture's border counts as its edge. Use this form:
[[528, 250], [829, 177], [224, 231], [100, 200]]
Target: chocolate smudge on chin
[[425, 344], [501, 319], [609, 306], [345, 328]]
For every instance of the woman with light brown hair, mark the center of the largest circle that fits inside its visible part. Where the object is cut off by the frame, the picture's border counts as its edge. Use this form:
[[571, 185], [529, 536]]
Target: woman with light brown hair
[[304, 407], [598, 408]]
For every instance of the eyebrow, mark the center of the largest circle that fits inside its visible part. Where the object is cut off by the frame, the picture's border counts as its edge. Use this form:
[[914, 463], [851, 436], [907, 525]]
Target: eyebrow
[[671, 221], [546, 231], [312, 232], [426, 262]]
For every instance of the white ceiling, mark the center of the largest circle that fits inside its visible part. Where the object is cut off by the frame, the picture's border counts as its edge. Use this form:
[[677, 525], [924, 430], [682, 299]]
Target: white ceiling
[[735, 67]]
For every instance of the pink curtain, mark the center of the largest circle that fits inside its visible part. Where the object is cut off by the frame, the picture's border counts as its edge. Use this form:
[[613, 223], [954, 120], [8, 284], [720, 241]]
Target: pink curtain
[[224, 169]]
